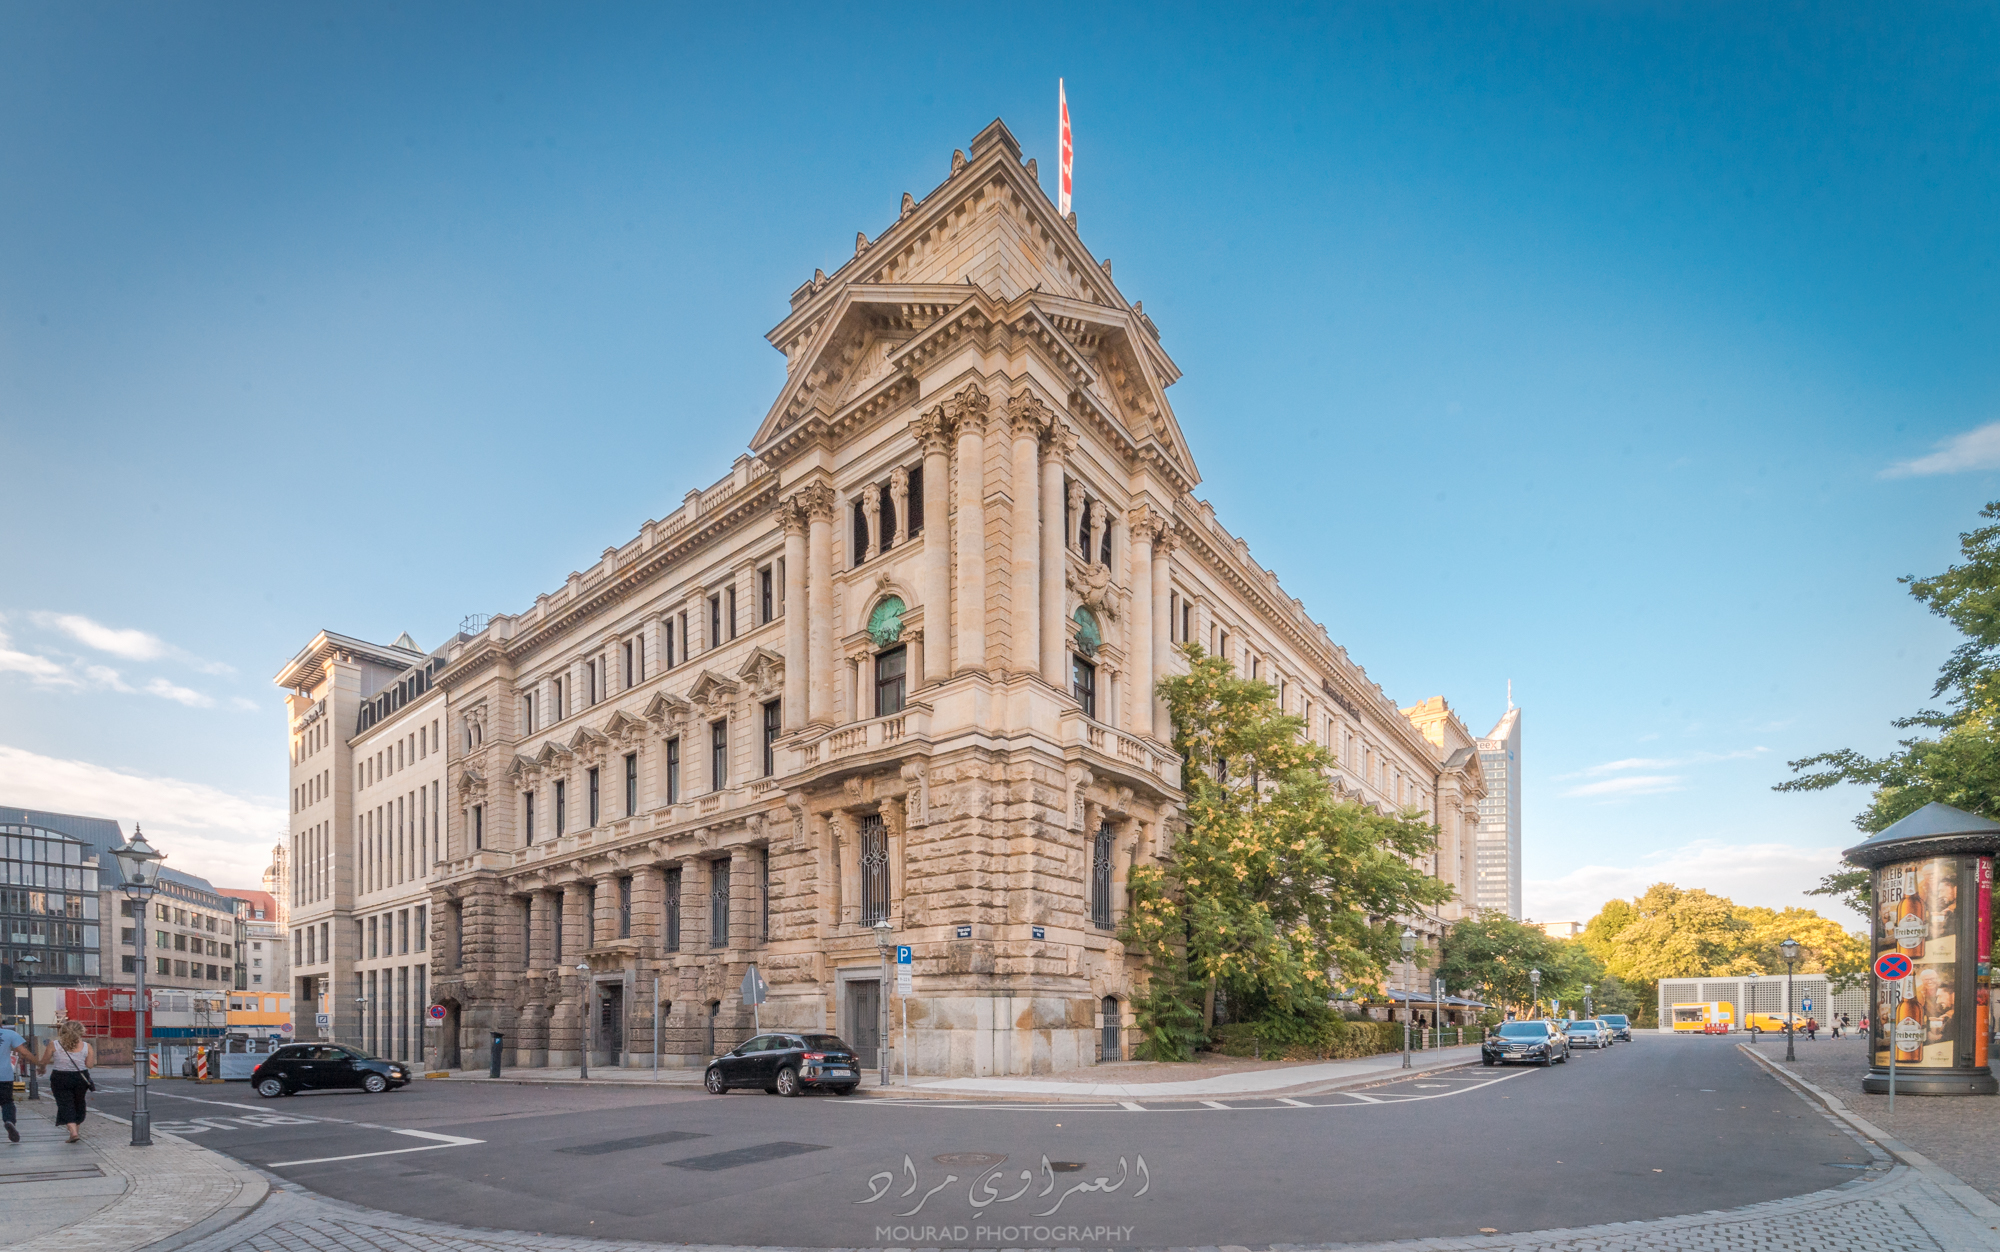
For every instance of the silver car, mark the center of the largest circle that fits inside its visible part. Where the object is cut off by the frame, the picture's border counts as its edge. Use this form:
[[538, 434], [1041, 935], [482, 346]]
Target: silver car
[[1588, 1032]]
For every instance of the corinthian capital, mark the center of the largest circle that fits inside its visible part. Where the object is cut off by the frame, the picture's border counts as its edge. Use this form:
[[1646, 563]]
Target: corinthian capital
[[1028, 416], [792, 514], [968, 408], [1061, 442], [1148, 526], [932, 430], [817, 501]]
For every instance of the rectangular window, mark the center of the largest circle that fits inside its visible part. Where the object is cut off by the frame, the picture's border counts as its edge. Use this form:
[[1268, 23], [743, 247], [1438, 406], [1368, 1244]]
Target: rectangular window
[[667, 629], [528, 815], [592, 778], [860, 536], [718, 755], [590, 679], [731, 596], [718, 904], [673, 910], [371, 936], [891, 671], [624, 908], [874, 869], [674, 770], [631, 783], [562, 807], [916, 505], [771, 716], [528, 711], [1187, 621], [767, 604], [478, 827], [639, 649], [1083, 684], [422, 927], [714, 621], [402, 931], [1173, 614], [1100, 878], [628, 663]]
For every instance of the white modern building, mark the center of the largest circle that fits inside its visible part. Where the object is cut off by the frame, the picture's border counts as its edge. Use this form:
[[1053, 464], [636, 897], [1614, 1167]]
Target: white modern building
[[1497, 845]]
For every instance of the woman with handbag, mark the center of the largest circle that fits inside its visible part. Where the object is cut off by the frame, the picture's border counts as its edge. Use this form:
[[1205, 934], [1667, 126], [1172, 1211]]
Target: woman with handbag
[[68, 1059]]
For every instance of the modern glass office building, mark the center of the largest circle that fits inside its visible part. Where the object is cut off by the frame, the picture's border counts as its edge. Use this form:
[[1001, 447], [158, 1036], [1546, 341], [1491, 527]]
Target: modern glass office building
[[1496, 869], [48, 909]]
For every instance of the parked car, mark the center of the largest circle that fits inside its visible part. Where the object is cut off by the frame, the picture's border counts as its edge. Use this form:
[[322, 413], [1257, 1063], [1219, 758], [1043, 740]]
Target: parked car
[[1539, 1042], [1588, 1032], [324, 1066], [1758, 1023], [786, 1065], [1621, 1026]]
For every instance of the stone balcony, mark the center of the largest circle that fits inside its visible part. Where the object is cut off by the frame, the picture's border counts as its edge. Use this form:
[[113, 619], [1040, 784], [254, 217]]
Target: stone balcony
[[1129, 751], [817, 748]]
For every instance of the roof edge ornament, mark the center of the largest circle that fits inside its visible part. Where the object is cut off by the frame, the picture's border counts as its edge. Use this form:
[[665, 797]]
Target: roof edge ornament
[[1937, 829]]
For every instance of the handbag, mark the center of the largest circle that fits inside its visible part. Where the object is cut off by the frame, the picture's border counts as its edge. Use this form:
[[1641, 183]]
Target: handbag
[[89, 1083]]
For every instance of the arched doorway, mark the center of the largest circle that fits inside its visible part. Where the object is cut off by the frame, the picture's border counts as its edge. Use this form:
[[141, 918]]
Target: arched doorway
[[1111, 1047], [447, 1042]]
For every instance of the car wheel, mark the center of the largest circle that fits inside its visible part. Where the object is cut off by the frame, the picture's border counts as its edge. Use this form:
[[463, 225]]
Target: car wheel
[[1547, 1061], [788, 1082], [374, 1084], [1486, 1060], [271, 1089], [714, 1083]]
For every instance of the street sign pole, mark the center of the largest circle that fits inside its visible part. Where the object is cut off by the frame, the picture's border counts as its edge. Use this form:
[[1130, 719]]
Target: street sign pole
[[1895, 990], [1892, 967], [903, 993]]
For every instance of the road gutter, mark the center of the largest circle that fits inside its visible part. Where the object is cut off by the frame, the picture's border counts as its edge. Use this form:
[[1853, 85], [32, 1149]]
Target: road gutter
[[1970, 1198]]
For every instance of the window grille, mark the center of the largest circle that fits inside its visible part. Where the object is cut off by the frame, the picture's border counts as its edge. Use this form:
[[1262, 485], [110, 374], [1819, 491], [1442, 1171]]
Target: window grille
[[874, 870], [673, 919], [718, 905], [1100, 879]]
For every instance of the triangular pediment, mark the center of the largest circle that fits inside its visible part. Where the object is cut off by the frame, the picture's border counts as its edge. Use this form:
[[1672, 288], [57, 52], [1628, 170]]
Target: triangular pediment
[[666, 707], [621, 725], [552, 753], [761, 660], [521, 765], [984, 253], [711, 687], [585, 739]]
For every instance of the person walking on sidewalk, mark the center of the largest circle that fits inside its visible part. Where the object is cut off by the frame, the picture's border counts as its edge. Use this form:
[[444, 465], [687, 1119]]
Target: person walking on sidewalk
[[13, 1049], [68, 1058]]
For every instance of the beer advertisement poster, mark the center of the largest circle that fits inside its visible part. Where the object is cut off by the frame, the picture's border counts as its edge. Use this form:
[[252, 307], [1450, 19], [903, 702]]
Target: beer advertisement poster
[[1916, 914], [1983, 984]]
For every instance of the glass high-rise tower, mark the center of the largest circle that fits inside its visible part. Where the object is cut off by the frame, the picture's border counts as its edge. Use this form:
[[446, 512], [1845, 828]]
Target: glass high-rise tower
[[1496, 865]]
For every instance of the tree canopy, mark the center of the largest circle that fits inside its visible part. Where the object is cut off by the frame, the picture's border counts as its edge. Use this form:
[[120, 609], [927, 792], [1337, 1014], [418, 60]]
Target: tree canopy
[[1675, 932], [1959, 762], [1492, 955], [1276, 883]]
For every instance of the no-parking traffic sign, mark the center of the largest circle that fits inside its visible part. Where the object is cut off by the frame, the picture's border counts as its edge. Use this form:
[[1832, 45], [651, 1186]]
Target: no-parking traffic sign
[[437, 1012], [1892, 966]]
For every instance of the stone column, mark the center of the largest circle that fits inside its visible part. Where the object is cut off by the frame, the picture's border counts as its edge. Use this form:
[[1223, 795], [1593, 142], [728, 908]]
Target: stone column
[[743, 929], [1139, 627], [1028, 417], [818, 501], [933, 434], [694, 886], [656, 653], [969, 607], [871, 511], [899, 496], [604, 926], [1163, 546], [1055, 453], [792, 515]]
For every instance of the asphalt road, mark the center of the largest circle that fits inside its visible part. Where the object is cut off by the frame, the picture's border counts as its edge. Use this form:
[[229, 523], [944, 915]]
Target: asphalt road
[[1659, 1127]]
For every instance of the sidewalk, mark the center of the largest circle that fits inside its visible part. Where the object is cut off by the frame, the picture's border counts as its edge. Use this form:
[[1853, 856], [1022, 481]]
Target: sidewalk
[[104, 1195]]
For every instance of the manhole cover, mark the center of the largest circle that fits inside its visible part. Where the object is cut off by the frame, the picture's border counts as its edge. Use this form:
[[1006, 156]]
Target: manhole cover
[[1065, 1167], [970, 1160]]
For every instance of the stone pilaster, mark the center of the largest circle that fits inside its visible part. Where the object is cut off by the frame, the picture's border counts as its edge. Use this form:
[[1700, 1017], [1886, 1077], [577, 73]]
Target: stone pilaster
[[933, 434], [1054, 659], [968, 411], [1028, 418], [792, 517], [818, 502], [1162, 646]]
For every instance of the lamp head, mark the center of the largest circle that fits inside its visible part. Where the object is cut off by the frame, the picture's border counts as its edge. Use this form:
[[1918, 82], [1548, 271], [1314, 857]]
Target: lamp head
[[1790, 948], [139, 862], [1409, 941], [883, 930], [1535, 977]]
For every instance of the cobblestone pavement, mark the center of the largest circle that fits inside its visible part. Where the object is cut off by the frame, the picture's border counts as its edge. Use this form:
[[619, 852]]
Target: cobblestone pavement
[[1961, 1133]]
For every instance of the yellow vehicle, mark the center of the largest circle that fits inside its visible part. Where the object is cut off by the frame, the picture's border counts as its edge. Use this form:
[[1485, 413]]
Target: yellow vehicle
[[1755, 1022], [1711, 1017]]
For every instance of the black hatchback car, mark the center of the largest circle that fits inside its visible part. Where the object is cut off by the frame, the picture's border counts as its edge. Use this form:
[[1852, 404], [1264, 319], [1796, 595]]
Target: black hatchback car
[[324, 1066], [1539, 1042], [786, 1065]]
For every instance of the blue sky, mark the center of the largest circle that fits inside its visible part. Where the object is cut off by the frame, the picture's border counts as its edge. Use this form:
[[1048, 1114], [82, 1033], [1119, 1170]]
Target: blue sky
[[1577, 345]]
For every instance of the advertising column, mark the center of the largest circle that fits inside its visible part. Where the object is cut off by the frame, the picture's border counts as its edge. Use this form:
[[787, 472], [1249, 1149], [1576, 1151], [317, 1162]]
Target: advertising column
[[1937, 911]]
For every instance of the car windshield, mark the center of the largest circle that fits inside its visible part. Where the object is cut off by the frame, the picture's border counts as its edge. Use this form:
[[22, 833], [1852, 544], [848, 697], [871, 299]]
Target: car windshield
[[1524, 1030], [1617, 1019], [1586, 1027], [826, 1043]]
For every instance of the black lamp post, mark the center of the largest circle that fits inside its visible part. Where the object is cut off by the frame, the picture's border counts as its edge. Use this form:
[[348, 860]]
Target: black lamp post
[[1409, 1001], [586, 1035], [1790, 948], [1535, 990], [139, 866], [27, 966]]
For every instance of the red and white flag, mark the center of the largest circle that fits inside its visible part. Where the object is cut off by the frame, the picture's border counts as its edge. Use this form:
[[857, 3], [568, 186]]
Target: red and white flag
[[1062, 142]]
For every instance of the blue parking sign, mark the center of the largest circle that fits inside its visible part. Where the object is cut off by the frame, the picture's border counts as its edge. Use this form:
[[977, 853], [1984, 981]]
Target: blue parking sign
[[902, 954]]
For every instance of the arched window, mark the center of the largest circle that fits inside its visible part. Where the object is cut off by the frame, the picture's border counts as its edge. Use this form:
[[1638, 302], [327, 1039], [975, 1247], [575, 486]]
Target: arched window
[[1111, 1048], [1100, 878], [1089, 638]]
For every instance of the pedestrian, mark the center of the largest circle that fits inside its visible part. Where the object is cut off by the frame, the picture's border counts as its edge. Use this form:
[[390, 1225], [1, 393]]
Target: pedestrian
[[1812, 1027], [12, 1047], [68, 1058]]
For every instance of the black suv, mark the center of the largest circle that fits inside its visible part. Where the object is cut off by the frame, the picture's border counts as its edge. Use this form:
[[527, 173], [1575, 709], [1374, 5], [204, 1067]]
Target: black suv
[[320, 1066], [786, 1065], [1620, 1024], [1538, 1042]]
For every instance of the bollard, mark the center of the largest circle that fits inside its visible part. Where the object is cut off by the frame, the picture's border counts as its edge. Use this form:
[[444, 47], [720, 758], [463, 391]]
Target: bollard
[[493, 1066]]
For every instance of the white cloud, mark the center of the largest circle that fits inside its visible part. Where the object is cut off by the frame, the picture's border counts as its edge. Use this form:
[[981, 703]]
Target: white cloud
[[168, 691], [1775, 875], [248, 706], [1974, 450], [1630, 785], [223, 837], [38, 668], [133, 645]]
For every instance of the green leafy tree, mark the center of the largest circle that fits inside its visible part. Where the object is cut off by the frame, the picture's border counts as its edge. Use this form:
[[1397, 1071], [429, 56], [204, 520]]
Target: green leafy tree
[[1852, 887], [1678, 933], [1613, 994], [1492, 955], [1276, 882], [1959, 763]]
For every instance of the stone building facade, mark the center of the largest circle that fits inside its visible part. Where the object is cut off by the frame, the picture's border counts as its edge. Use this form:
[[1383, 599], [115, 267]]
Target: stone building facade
[[889, 681]]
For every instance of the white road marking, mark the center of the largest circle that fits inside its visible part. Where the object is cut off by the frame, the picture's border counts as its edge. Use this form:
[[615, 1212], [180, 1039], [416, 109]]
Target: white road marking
[[448, 1141], [1136, 1108], [1356, 1095], [1297, 1104], [1215, 1104]]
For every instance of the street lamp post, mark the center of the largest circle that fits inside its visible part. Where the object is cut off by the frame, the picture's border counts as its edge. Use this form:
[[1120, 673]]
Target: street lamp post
[[139, 866], [1790, 948], [1588, 1010], [27, 966], [589, 1018], [1534, 989], [1409, 948], [884, 933]]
